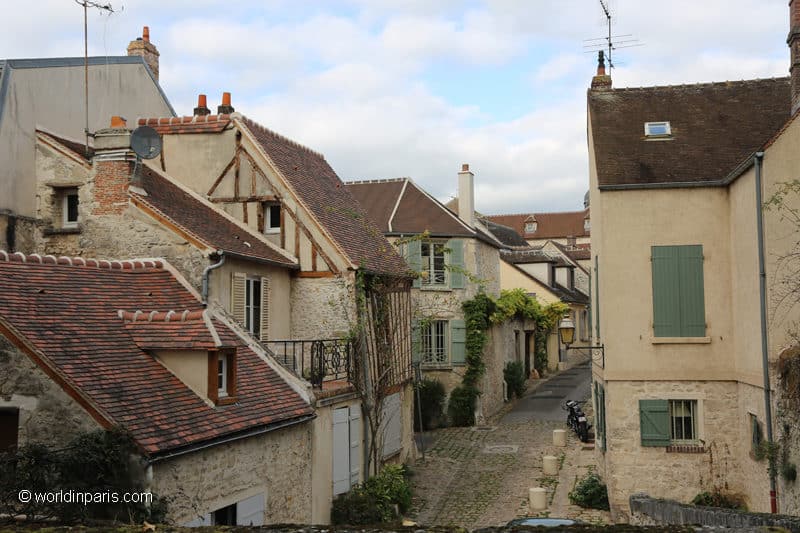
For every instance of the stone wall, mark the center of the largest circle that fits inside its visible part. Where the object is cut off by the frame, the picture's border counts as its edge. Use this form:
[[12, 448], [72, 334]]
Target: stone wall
[[17, 234], [47, 414], [322, 308], [277, 464], [787, 435]]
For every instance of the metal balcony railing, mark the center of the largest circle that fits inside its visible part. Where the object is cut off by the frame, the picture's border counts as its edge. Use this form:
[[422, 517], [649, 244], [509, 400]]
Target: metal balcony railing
[[317, 361]]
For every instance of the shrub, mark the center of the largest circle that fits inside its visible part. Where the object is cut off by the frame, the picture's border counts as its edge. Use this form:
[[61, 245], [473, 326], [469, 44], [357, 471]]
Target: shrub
[[590, 492], [375, 501], [461, 408], [718, 498], [391, 487], [789, 472], [431, 400], [356, 507], [514, 374]]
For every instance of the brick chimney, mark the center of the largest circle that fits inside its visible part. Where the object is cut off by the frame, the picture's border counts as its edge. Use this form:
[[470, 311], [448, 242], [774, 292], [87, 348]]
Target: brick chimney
[[466, 196], [601, 81], [794, 48], [112, 168], [202, 108], [226, 108], [143, 47]]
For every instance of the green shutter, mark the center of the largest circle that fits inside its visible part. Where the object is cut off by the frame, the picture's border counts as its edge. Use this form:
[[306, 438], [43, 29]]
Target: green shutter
[[597, 297], [603, 416], [413, 251], [692, 297], [589, 310], [666, 291], [654, 422], [458, 341], [456, 262], [416, 342]]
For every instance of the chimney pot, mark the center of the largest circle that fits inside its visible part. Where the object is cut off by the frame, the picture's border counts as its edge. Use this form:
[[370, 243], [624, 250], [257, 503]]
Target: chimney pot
[[465, 167], [202, 108], [146, 34], [142, 46], [118, 122], [226, 108], [601, 81]]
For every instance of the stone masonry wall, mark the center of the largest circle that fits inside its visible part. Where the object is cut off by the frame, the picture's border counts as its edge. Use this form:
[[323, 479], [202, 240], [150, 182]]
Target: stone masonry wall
[[47, 414], [632, 468], [277, 464], [322, 308], [787, 435]]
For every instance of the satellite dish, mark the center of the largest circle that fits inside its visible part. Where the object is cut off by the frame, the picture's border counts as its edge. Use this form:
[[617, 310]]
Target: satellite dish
[[146, 142]]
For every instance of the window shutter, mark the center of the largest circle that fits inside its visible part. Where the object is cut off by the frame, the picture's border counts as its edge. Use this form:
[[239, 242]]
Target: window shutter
[[355, 445], [413, 251], [666, 291], [458, 341], [416, 342], [265, 301], [654, 422], [238, 283], [456, 263], [692, 298], [341, 451]]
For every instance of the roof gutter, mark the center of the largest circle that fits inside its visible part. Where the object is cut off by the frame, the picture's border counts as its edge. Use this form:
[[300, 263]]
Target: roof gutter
[[261, 430], [758, 160], [207, 271]]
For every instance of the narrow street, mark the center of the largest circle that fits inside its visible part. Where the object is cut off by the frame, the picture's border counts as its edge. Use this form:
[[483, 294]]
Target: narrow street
[[480, 476]]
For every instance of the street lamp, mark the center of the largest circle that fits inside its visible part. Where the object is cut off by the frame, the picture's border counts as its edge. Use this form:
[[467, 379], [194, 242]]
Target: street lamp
[[566, 334]]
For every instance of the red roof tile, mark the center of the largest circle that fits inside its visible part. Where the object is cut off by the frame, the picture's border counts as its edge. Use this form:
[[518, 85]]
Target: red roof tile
[[195, 124], [67, 309], [548, 225]]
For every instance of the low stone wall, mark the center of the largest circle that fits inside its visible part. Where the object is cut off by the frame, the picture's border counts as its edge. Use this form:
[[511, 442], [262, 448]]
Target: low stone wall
[[646, 511]]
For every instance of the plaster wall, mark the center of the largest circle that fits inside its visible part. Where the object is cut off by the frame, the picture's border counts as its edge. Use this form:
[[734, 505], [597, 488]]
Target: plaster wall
[[189, 366]]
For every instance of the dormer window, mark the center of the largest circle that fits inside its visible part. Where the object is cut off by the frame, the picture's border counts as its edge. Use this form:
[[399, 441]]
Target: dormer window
[[586, 225], [657, 129], [222, 376], [530, 227]]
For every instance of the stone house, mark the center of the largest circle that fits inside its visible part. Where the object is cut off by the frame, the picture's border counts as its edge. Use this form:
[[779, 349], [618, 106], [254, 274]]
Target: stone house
[[455, 258], [48, 94], [679, 177], [224, 431]]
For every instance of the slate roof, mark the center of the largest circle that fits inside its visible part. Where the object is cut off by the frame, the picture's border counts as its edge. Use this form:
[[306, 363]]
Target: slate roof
[[316, 184], [534, 255], [570, 296], [548, 225], [69, 313], [715, 127], [400, 207], [506, 234], [204, 222]]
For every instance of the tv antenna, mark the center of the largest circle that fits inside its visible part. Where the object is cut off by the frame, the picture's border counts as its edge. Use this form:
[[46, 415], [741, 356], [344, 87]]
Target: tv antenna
[[610, 43], [102, 7]]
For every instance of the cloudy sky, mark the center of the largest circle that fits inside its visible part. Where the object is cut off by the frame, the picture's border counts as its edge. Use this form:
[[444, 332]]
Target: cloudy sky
[[388, 88]]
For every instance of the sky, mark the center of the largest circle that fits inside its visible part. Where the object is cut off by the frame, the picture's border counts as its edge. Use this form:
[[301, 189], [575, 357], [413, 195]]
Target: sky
[[395, 88]]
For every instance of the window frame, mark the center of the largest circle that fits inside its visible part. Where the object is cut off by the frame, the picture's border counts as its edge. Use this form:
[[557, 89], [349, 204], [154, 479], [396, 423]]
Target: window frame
[[427, 342], [649, 126], [253, 301], [268, 207], [222, 360], [65, 194], [222, 376], [693, 405], [429, 265], [531, 227]]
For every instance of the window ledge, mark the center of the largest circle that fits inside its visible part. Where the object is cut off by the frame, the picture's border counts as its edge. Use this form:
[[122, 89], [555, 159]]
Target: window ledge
[[435, 288], [680, 340], [272, 231], [686, 448], [62, 231], [226, 400]]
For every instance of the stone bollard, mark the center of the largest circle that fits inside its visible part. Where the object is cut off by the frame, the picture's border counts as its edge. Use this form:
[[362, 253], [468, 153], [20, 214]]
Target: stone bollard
[[550, 465], [537, 497], [560, 437]]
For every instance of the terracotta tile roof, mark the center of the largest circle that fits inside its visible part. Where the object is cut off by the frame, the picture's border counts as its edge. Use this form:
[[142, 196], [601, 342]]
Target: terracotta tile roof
[[171, 330], [316, 184], [548, 225], [67, 310], [715, 126], [202, 221], [194, 124]]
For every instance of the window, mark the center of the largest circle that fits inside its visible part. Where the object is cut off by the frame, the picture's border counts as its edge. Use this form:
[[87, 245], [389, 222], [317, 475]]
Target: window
[[252, 306], [433, 270], [657, 129], [222, 376], [683, 421], [439, 342], [70, 208], [530, 227], [669, 422], [225, 516], [756, 433], [9, 429], [434, 342], [678, 294], [272, 218], [587, 225]]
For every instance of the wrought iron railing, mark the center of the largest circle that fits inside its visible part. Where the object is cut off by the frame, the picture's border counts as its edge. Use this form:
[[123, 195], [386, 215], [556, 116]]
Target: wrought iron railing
[[317, 361]]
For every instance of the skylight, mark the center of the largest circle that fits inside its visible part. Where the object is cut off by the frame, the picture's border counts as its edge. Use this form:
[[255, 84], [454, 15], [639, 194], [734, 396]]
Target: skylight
[[657, 129]]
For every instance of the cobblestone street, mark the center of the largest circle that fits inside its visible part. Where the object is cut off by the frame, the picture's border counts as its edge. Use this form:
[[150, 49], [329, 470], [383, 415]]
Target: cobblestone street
[[476, 477]]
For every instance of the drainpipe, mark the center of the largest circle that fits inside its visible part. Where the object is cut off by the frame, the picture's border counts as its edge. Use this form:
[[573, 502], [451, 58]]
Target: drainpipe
[[762, 286], [207, 271]]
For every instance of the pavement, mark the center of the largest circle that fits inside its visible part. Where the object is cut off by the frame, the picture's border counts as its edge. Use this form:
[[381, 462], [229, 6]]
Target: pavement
[[480, 476]]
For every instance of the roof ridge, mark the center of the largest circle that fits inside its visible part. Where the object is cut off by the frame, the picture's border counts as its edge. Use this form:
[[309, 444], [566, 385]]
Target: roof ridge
[[161, 316], [268, 131], [378, 180], [186, 119], [703, 84], [108, 264]]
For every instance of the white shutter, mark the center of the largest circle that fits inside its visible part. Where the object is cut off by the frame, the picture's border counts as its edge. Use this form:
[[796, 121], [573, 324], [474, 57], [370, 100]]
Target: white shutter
[[355, 445], [265, 301], [238, 287], [391, 425], [341, 451], [250, 511]]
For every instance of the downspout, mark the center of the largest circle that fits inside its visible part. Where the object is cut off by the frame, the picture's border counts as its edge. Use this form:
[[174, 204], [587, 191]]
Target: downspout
[[207, 271], [762, 286]]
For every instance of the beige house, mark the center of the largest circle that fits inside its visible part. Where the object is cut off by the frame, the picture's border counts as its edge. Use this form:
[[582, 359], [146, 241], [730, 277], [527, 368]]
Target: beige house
[[678, 177], [456, 257]]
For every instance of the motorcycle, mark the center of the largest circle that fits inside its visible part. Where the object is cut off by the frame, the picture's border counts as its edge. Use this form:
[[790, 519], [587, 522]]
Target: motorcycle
[[576, 419]]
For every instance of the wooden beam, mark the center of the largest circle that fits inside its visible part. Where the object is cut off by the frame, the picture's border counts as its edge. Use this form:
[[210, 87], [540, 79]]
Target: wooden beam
[[224, 172], [233, 199], [309, 274]]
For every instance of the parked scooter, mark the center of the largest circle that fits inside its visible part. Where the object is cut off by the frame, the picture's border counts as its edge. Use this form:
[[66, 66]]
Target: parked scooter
[[576, 419]]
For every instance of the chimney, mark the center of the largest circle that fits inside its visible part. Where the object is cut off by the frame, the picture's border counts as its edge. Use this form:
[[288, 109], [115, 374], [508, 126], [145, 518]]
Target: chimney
[[794, 48], [466, 196], [202, 108], [112, 168], [226, 108], [601, 81], [143, 47]]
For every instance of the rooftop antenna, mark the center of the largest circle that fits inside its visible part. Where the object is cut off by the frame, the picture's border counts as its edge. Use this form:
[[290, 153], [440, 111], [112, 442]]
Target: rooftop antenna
[[102, 7], [610, 43]]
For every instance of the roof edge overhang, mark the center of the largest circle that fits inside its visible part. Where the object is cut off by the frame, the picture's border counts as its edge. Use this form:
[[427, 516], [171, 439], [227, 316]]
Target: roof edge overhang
[[245, 257]]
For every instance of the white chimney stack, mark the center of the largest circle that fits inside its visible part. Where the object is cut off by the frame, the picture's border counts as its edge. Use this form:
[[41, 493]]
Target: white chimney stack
[[466, 196]]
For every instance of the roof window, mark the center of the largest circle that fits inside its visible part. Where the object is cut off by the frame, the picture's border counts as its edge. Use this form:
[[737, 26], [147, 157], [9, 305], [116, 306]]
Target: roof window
[[657, 129]]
